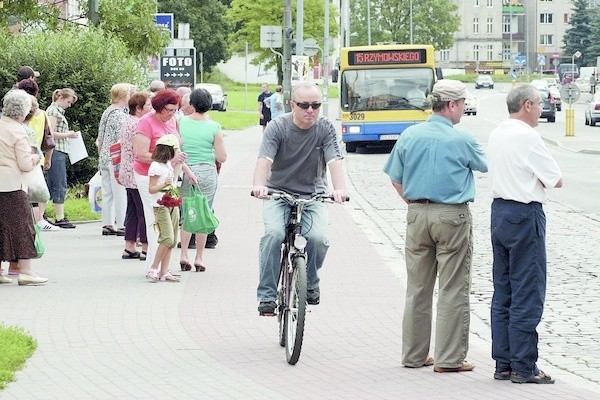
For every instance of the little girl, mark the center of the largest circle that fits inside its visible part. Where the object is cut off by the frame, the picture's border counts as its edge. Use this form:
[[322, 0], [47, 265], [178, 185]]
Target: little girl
[[166, 208]]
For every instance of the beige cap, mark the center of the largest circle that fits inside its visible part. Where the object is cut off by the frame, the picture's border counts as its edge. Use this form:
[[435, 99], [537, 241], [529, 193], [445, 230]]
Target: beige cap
[[449, 89], [169, 140], [26, 72]]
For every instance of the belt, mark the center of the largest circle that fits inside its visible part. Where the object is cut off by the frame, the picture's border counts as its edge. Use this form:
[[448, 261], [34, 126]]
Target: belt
[[423, 201]]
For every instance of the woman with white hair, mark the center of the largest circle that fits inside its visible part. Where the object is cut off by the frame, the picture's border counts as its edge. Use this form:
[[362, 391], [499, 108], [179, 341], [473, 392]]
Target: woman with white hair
[[17, 234]]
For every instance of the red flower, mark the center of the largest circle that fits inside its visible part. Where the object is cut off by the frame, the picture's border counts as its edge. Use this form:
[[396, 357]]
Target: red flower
[[168, 200]]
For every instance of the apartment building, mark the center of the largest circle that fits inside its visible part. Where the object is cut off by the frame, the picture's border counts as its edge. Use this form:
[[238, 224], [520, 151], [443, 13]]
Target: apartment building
[[505, 35]]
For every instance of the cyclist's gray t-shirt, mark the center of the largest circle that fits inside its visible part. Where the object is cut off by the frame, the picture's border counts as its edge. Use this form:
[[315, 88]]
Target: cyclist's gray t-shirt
[[299, 156]]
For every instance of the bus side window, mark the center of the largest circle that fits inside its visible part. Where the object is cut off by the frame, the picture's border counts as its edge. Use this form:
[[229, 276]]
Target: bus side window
[[334, 75]]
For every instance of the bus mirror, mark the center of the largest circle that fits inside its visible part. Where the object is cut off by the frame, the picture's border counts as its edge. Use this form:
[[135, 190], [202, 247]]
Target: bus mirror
[[334, 75], [438, 73]]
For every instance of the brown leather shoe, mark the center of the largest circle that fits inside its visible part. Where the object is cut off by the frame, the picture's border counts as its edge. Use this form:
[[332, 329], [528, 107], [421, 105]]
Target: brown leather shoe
[[428, 363], [464, 367]]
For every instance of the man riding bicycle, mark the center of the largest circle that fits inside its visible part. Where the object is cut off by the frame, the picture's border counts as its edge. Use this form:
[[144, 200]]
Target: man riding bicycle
[[294, 155]]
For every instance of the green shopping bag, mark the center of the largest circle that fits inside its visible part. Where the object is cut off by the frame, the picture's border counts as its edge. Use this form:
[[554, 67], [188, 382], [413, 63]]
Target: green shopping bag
[[39, 246], [197, 215]]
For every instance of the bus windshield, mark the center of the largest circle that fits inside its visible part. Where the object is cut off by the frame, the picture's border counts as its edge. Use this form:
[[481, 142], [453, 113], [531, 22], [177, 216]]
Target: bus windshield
[[386, 89]]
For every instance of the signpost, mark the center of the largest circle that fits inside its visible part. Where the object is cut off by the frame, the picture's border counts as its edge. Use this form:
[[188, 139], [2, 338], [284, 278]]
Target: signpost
[[166, 21], [178, 70]]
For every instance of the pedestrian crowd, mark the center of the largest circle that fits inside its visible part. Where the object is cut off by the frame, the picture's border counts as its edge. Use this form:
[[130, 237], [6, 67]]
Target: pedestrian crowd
[[148, 140]]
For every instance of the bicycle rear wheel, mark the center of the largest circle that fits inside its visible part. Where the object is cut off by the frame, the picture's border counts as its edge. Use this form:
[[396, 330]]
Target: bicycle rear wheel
[[296, 313], [281, 314]]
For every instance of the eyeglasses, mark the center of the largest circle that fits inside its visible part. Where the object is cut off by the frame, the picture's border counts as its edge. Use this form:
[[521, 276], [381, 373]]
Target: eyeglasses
[[305, 105]]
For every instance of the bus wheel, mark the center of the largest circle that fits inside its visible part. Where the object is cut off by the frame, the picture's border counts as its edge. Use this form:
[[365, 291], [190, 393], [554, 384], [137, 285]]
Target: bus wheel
[[351, 147]]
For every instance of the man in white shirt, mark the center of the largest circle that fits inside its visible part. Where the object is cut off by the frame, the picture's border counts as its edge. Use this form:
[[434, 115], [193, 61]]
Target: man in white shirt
[[521, 168]]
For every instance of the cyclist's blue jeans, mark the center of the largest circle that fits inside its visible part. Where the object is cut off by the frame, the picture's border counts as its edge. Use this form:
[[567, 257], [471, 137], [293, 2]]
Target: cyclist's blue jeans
[[314, 227], [518, 243]]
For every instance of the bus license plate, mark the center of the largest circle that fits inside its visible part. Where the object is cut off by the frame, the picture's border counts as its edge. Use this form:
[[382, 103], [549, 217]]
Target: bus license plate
[[389, 137]]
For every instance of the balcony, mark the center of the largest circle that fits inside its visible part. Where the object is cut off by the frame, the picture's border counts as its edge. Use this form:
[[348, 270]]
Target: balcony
[[517, 36], [514, 10]]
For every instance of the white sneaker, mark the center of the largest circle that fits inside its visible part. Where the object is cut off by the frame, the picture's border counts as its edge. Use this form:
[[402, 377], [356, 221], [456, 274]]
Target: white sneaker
[[47, 226]]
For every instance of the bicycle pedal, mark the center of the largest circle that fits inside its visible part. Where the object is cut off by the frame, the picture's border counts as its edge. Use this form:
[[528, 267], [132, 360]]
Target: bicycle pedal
[[267, 314]]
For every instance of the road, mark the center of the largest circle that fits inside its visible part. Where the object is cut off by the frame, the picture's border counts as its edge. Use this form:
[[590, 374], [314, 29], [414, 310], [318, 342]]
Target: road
[[568, 332]]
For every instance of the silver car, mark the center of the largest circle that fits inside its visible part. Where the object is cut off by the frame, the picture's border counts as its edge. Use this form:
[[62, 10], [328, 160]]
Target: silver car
[[219, 97], [592, 111]]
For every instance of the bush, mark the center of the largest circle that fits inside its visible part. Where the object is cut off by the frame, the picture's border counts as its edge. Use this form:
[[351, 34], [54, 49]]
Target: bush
[[85, 60]]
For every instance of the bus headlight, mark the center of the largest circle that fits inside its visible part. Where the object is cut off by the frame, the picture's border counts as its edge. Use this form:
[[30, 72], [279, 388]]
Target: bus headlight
[[354, 129], [300, 242]]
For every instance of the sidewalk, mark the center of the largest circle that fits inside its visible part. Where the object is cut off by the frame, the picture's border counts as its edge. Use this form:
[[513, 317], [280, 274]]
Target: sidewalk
[[103, 332]]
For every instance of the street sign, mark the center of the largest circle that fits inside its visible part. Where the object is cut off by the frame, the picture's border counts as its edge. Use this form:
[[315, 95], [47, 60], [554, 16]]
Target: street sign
[[166, 21], [310, 47], [271, 37], [178, 70], [520, 60], [570, 93], [541, 59]]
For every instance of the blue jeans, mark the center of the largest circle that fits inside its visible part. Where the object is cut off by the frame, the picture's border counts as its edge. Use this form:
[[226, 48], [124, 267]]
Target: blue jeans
[[56, 178], [314, 227], [519, 274]]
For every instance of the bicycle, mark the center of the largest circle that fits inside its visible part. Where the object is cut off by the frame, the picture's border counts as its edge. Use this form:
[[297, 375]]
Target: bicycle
[[292, 286]]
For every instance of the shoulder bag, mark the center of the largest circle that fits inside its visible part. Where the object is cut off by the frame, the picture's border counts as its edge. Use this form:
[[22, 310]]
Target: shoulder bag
[[47, 140]]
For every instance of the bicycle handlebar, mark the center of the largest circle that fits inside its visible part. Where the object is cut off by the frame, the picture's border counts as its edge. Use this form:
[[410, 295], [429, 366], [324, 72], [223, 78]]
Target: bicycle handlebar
[[293, 197]]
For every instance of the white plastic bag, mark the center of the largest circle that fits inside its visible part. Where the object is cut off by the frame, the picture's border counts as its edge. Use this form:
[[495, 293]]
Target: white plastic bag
[[37, 190], [95, 192]]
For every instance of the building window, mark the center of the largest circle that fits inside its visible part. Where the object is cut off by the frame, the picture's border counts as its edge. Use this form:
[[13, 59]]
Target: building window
[[506, 24], [475, 25], [476, 52], [444, 55], [566, 18], [490, 3], [490, 25], [476, 3], [546, 18], [490, 52], [505, 52], [547, 40]]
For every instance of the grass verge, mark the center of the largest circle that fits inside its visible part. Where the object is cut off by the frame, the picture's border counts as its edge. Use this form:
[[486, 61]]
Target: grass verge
[[17, 347]]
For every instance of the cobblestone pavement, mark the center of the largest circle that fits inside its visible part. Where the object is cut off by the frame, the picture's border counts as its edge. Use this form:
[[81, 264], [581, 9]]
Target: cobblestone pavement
[[569, 329]]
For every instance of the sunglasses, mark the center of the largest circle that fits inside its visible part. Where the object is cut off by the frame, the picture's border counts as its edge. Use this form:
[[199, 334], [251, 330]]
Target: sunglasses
[[305, 105]]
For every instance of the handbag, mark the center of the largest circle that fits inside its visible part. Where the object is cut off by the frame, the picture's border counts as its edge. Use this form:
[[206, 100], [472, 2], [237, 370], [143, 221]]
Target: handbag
[[39, 246], [197, 215], [37, 189], [115, 156], [47, 140]]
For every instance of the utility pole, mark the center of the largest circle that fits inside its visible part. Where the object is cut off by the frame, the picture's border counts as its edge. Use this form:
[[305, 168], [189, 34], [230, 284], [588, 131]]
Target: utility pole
[[94, 12], [325, 62], [286, 62]]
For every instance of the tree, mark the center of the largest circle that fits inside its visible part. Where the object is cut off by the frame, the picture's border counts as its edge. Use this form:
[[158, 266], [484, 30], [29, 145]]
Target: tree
[[208, 27], [434, 22], [593, 50], [247, 17], [577, 36], [28, 12]]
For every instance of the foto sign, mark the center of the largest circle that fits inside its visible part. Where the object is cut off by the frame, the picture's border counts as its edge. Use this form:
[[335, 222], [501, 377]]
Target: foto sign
[[165, 21], [177, 71]]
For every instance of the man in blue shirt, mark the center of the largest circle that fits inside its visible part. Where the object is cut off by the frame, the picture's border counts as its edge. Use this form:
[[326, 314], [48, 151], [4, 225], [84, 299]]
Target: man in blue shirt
[[431, 168]]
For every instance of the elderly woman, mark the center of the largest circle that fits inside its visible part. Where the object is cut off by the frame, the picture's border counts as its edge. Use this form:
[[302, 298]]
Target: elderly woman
[[17, 234], [114, 197], [135, 225], [150, 128], [203, 144]]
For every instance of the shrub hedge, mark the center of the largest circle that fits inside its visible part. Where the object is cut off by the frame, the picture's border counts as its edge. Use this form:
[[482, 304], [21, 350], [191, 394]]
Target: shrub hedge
[[85, 60]]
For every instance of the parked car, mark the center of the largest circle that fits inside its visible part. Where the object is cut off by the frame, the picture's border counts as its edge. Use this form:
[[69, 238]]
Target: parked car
[[583, 84], [592, 110], [485, 81], [219, 97], [556, 95], [548, 106], [471, 106]]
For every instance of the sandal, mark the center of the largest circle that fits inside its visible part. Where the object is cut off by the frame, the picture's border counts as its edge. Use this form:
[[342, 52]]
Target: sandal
[[168, 277], [130, 254], [200, 267], [540, 377], [152, 275], [120, 232], [185, 266], [108, 230], [143, 255]]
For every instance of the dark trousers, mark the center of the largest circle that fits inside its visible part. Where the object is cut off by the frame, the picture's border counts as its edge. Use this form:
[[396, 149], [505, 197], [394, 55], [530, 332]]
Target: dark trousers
[[519, 274], [135, 224]]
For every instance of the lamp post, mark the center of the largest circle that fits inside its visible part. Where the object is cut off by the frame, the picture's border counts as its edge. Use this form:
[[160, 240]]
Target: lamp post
[[570, 114], [369, 22], [326, 61], [411, 21]]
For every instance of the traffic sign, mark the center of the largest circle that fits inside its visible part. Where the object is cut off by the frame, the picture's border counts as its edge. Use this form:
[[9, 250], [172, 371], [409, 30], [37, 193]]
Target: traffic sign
[[570, 93], [520, 60], [310, 47], [271, 37], [166, 21], [178, 70]]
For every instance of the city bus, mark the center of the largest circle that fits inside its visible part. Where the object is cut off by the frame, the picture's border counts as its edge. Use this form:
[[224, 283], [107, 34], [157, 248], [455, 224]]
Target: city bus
[[383, 90]]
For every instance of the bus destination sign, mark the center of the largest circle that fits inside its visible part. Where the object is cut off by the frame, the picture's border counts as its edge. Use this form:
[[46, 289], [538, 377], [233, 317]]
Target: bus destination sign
[[379, 57]]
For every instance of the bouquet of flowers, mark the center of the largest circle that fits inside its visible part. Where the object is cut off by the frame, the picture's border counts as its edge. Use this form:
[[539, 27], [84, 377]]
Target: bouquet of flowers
[[170, 198]]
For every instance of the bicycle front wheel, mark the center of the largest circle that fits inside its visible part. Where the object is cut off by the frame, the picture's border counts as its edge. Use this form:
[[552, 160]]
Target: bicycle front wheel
[[295, 315]]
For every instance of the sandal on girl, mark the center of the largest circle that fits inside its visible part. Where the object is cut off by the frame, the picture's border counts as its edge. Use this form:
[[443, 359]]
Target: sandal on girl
[[130, 254], [143, 255], [152, 275], [169, 278]]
